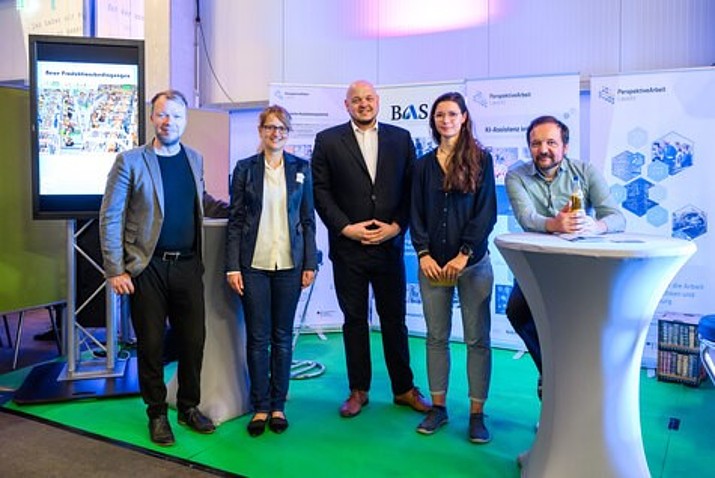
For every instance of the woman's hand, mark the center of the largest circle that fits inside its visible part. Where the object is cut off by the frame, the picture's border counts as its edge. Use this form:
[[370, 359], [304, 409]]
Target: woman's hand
[[307, 278], [453, 268], [430, 268], [235, 280]]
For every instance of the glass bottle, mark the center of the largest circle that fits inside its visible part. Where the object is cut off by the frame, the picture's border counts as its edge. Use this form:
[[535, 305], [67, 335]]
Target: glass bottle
[[576, 195]]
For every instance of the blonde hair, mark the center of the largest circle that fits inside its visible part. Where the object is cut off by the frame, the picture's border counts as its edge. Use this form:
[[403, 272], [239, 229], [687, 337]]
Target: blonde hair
[[277, 111]]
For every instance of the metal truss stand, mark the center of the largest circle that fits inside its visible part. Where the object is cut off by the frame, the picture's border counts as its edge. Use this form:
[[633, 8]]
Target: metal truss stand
[[104, 373], [302, 369], [76, 336]]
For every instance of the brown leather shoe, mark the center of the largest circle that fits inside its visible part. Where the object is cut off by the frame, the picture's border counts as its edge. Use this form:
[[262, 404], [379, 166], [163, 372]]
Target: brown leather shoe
[[354, 404], [413, 398]]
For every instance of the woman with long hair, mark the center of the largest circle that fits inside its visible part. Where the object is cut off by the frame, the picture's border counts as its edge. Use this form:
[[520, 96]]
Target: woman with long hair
[[453, 213]]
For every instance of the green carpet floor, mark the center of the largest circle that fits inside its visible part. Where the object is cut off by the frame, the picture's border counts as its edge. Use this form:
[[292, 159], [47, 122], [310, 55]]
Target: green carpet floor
[[382, 442]]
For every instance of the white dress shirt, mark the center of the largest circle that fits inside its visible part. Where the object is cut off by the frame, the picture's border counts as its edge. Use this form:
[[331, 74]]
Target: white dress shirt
[[367, 141]]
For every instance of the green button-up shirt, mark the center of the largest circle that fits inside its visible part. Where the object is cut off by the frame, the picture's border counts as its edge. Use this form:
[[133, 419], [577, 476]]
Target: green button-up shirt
[[534, 199]]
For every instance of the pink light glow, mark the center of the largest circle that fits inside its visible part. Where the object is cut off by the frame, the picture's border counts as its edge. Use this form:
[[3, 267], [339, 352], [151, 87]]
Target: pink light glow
[[392, 18]]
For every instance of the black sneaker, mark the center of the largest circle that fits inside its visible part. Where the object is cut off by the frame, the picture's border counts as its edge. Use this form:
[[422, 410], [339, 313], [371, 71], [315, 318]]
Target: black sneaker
[[522, 458], [196, 420], [539, 388], [436, 418], [478, 433], [160, 431]]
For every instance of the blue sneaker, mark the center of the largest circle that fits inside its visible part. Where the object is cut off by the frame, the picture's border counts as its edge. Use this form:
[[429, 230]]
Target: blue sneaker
[[478, 433], [436, 418]]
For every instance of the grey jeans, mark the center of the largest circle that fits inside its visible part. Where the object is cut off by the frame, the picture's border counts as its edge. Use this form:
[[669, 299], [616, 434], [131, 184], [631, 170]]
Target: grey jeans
[[474, 288]]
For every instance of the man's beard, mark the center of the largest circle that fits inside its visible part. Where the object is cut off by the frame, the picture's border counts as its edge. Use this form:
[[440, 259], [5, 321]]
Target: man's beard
[[166, 142], [554, 164], [363, 122]]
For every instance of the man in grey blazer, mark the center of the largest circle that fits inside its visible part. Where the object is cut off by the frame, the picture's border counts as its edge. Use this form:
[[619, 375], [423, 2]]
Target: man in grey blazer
[[361, 174], [150, 234]]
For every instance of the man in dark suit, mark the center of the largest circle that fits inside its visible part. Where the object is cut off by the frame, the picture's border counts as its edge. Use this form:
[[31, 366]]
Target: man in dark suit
[[361, 174], [150, 234]]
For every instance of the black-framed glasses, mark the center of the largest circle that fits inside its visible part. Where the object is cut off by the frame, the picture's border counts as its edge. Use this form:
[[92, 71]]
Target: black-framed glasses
[[271, 128]]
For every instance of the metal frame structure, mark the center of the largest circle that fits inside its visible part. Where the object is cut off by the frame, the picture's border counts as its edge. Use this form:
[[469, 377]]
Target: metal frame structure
[[74, 335], [302, 369]]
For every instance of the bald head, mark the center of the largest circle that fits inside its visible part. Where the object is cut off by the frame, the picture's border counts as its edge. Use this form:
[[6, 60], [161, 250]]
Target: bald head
[[362, 103]]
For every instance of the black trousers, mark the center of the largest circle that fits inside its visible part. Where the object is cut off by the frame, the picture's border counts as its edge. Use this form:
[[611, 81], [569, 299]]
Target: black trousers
[[352, 278], [519, 315], [172, 290]]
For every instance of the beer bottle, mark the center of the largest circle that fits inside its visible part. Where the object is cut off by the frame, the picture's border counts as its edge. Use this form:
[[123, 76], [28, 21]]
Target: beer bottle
[[576, 195]]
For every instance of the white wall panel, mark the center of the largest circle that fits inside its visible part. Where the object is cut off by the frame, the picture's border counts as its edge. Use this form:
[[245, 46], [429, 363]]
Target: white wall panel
[[557, 36], [666, 34], [441, 56], [245, 44], [157, 49], [119, 19], [324, 44], [253, 43], [432, 41], [13, 44], [182, 63], [336, 41]]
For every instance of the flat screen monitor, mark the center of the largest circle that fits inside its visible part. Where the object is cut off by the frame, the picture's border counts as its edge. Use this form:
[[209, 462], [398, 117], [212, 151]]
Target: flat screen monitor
[[86, 105]]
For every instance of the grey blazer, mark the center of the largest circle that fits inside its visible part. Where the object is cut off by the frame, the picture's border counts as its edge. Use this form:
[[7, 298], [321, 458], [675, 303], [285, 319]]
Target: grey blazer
[[132, 211]]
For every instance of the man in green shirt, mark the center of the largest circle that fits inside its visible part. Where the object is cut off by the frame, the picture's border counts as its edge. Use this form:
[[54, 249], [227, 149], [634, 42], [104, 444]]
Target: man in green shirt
[[539, 193]]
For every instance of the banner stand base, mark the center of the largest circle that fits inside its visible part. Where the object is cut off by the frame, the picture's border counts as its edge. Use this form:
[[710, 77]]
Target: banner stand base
[[44, 384]]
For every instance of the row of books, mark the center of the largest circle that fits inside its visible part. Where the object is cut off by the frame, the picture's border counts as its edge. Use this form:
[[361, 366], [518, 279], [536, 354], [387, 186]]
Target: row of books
[[682, 367], [678, 334]]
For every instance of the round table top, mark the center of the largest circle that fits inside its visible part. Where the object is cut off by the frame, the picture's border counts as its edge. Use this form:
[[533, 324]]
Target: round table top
[[606, 245]]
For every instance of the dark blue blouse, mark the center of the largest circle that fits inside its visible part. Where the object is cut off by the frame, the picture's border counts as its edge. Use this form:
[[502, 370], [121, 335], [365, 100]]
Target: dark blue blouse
[[442, 222]]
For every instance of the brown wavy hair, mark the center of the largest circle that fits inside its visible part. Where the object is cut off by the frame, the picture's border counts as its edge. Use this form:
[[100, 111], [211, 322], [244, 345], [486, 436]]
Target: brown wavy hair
[[465, 170]]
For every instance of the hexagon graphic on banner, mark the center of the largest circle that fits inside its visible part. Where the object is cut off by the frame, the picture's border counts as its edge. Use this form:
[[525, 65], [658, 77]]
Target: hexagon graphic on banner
[[637, 138], [657, 171], [674, 150], [637, 200], [658, 193], [627, 165], [657, 216], [619, 193], [689, 222]]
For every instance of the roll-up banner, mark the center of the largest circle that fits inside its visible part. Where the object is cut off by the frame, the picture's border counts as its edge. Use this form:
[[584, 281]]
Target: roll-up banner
[[501, 111], [314, 108], [652, 134]]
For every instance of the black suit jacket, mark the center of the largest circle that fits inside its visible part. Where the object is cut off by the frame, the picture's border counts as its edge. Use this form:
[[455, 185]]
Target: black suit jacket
[[345, 194]]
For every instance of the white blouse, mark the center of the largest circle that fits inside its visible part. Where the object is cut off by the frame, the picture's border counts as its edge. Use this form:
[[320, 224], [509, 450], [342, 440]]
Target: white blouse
[[273, 251]]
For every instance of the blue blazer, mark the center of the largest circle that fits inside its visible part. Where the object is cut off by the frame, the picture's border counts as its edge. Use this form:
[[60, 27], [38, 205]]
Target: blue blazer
[[247, 204]]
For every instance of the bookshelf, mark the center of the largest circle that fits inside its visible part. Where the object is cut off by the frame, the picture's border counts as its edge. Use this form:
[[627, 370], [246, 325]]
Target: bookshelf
[[679, 349]]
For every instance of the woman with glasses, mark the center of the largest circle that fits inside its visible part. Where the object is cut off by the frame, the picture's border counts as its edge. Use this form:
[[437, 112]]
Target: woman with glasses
[[270, 256], [453, 213]]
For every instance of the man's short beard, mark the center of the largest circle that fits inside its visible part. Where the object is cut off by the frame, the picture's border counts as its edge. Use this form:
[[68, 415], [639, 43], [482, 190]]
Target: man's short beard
[[364, 122], [166, 143], [550, 168]]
